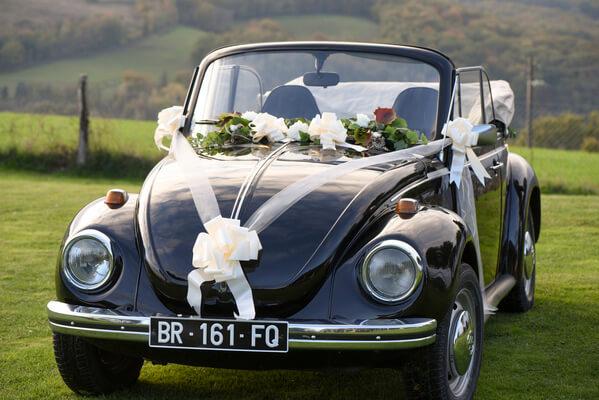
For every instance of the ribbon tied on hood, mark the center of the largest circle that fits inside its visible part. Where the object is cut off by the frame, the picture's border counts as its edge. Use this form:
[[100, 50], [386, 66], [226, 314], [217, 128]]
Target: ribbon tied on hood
[[460, 131], [218, 251]]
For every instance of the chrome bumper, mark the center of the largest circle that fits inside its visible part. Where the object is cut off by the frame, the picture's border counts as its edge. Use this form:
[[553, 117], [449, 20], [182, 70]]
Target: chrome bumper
[[395, 334]]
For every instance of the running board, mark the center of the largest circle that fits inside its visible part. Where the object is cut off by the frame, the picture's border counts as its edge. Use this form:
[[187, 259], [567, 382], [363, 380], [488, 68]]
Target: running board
[[497, 291]]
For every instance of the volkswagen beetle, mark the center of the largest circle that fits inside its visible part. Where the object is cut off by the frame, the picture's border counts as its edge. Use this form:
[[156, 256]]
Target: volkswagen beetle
[[382, 266]]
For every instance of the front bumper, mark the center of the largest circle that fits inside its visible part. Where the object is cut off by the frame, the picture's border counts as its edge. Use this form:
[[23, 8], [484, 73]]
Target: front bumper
[[390, 334]]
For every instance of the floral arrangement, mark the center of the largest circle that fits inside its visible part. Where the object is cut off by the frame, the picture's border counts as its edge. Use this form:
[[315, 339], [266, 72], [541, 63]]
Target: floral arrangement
[[386, 132]]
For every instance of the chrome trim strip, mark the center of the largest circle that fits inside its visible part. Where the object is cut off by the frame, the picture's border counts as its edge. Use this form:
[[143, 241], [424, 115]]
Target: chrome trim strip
[[361, 344], [393, 334]]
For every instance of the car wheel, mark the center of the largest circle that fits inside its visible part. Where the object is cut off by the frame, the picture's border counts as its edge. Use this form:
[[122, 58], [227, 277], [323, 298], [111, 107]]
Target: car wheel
[[522, 297], [87, 369], [449, 368]]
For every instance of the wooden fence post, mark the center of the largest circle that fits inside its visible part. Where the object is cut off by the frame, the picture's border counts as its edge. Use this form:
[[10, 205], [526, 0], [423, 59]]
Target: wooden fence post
[[83, 122]]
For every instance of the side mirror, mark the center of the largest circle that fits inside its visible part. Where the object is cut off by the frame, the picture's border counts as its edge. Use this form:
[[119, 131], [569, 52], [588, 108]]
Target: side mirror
[[487, 134]]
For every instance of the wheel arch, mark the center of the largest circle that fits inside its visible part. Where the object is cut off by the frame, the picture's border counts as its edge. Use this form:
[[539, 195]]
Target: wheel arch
[[522, 194]]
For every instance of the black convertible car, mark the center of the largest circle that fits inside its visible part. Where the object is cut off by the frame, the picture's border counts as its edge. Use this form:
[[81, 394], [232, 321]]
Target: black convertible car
[[337, 166]]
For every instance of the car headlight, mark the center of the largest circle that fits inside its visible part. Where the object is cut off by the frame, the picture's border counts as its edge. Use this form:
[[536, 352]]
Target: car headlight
[[87, 260], [391, 271]]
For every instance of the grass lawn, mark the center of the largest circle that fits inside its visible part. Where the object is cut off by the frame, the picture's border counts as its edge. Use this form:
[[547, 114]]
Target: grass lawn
[[549, 353], [563, 171], [153, 55]]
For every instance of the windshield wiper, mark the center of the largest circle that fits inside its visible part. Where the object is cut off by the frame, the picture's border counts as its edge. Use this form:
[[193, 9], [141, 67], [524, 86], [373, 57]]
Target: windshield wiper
[[206, 122]]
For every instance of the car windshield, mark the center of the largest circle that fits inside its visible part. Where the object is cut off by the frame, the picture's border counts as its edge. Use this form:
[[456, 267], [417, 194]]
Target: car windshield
[[302, 84]]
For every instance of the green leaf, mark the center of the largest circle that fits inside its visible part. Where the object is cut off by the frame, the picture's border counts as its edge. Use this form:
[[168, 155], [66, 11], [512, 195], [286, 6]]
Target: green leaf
[[304, 137], [389, 130], [362, 136], [399, 123], [411, 137]]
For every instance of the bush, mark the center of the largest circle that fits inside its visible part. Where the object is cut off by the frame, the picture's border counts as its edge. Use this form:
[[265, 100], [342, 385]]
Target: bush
[[565, 131], [590, 144]]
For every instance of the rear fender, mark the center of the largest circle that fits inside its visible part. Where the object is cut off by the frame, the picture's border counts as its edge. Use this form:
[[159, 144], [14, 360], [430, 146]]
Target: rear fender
[[522, 194]]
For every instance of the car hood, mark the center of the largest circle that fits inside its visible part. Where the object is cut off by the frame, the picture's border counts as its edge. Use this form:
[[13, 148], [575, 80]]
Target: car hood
[[299, 247]]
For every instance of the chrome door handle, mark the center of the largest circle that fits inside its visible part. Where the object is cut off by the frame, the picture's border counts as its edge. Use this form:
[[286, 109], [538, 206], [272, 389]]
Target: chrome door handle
[[496, 166]]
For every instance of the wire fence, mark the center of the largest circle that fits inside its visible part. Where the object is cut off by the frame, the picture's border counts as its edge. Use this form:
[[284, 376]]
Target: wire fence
[[561, 118]]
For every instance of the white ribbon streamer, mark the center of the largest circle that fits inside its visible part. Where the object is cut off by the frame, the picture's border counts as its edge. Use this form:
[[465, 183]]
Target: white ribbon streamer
[[280, 202], [460, 131], [218, 251]]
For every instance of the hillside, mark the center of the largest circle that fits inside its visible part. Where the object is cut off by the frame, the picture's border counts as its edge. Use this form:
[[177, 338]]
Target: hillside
[[168, 36], [49, 12], [154, 55], [339, 27]]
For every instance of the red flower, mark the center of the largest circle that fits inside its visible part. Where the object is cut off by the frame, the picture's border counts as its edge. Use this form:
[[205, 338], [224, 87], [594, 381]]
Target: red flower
[[384, 115]]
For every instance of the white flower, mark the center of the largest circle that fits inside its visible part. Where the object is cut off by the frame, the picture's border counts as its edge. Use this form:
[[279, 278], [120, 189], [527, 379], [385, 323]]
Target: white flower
[[249, 115], [269, 126], [328, 129], [362, 120], [294, 130], [169, 121]]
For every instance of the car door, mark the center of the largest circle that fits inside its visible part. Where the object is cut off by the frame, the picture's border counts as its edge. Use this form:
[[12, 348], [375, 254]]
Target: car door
[[475, 103]]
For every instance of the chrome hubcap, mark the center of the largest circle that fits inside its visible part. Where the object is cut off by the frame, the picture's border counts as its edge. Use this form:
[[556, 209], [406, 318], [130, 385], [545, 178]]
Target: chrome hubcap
[[530, 260], [462, 342]]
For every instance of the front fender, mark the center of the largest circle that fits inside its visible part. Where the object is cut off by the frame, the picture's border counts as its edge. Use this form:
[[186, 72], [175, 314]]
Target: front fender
[[522, 194], [439, 236], [119, 226]]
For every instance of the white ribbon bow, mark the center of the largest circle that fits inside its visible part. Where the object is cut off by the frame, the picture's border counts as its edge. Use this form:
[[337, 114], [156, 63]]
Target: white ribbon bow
[[460, 131], [218, 251], [216, 257]]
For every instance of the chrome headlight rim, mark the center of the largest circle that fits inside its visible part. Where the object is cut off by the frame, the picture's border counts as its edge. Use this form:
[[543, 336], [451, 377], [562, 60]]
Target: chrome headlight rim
[[104, 240], [408, 250]]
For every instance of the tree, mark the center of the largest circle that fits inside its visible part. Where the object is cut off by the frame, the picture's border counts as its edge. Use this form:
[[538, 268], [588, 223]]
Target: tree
[[12, 53]]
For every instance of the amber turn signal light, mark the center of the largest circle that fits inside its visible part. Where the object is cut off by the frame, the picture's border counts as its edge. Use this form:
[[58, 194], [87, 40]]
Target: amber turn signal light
[[116, 198], [407, 207]]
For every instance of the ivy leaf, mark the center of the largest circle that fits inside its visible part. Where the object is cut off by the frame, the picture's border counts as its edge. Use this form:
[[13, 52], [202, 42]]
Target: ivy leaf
[[237, 120], [389, 130], [399, 123], [411, 136], [304, 137], [362, 137]]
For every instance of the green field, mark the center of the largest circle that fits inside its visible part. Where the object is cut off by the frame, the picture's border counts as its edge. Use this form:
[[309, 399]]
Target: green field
[[47, 142], [154, 55], [336, 27], [549, 353]]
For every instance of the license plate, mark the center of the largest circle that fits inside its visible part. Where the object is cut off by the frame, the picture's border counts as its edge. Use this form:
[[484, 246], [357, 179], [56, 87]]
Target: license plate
[[212, 334]]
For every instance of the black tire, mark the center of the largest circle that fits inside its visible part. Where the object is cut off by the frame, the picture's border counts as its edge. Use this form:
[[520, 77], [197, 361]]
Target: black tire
[[432, 371], [89, 370], [522, 296]]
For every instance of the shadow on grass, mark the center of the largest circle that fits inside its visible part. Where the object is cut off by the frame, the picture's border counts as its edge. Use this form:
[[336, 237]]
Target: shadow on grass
[[101, 163], [188, 382]]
